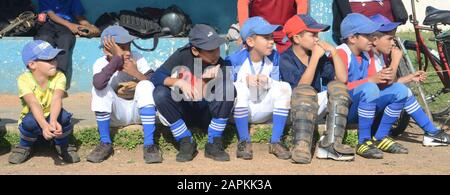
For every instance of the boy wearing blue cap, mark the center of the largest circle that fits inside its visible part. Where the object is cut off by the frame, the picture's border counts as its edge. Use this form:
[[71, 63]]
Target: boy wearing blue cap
[[207, 93], [41, 90], [385, 51], [309, 70], [260, 93], [367, 84], [117, 66]]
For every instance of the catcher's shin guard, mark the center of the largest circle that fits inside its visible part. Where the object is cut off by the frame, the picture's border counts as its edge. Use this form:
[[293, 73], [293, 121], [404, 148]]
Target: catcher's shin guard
[[330, 145], [304, 109]]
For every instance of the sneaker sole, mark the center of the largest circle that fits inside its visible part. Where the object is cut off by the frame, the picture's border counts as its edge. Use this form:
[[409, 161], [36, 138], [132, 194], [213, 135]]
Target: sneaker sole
[[324, 154], [244, 157], [216, 159], [429, 142], [193, 156], [90, 160]]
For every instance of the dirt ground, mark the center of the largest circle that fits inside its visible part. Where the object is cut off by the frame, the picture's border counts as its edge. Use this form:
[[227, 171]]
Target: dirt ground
[[420, 160]]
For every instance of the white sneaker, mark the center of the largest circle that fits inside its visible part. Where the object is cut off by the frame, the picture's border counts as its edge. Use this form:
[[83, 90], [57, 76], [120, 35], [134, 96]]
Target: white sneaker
[[439, 139]]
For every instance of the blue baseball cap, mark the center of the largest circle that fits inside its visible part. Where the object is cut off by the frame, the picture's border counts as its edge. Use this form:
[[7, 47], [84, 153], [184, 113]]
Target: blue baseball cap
[[39, 50], [356, 23], [257, 26], [120, 34], [205, 37], [386, 24]]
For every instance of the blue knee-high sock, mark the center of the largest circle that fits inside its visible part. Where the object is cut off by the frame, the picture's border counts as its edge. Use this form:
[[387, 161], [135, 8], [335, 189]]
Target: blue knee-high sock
[[147, 114], [279, 122], [103, 123], [216, 127], [414, 109], [390, 115], [241, 120], [180, 130], [366, 115]]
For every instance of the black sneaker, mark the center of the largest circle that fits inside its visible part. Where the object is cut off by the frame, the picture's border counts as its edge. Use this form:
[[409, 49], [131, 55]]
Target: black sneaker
[[102, 152], [440, 138], [152, 154], [369, 150], [19, 154], [68, 153], [216, 150], [188, 150], [244, 150], [279, 150], [389, 145]]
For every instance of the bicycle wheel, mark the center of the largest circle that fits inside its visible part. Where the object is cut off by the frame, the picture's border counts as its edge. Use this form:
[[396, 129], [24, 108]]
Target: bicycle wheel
[[437, 98]]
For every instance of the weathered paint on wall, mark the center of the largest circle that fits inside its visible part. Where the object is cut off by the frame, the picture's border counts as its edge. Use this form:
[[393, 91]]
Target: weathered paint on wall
[[87, 50]]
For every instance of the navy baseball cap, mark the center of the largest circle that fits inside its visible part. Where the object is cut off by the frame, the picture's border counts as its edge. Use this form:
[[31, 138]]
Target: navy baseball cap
[[356, 23], [204, 37], [386, 24], [39, 50], [257, 26], [120, 34]]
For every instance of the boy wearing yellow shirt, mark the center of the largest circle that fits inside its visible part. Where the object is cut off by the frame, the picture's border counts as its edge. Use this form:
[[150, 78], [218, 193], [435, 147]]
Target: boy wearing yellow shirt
[[41, 90]]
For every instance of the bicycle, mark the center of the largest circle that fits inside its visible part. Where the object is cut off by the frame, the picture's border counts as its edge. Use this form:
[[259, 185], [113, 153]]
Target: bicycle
[[433, 93]]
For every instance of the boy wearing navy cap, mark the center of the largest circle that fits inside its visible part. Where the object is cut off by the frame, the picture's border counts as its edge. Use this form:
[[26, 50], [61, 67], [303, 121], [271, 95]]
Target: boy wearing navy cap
[[207, 93], [261, 95], [118, 65], [41, 90], [385, 51], [316, 81]]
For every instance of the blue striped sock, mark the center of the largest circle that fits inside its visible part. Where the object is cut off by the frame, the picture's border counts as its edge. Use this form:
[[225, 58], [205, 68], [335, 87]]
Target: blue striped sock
[[216, 127], [390, 115], [366, 115], [103, 123], [279, 122], [414, 109], [241, 120], [148, 122], [179, 130]]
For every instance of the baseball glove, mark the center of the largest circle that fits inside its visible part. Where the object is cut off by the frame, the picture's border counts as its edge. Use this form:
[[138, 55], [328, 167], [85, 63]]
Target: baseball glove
[[125, 90]]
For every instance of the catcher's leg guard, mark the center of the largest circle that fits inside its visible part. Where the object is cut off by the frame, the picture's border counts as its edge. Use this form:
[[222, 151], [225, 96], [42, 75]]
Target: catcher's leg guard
[[304, 108], [338, 105]]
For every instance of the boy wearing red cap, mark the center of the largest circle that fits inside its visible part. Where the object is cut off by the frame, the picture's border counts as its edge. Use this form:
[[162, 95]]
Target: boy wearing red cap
[[308, 70]]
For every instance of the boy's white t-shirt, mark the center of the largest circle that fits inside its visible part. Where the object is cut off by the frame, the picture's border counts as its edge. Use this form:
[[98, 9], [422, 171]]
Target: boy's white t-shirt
[[246, 69], [119, 76]]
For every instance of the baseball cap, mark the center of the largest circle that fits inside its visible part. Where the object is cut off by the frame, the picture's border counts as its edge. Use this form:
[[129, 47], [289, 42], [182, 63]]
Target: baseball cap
[[257, 26], [303, 22], [120, 34], [386, 24], [39, 50], [356, 23], [205, 37]]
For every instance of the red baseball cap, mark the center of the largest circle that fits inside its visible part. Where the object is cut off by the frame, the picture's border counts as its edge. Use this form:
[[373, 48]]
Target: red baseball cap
[[302, 22]]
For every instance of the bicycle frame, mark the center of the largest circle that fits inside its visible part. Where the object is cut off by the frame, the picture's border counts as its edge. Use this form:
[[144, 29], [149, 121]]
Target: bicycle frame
[[441, 70]]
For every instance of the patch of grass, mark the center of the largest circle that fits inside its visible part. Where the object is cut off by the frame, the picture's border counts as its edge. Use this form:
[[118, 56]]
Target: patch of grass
[[262, 134], [130, 139], [351, 138]]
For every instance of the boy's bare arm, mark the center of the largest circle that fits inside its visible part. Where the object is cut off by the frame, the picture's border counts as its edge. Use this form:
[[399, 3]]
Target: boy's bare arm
[[339, 67], [55, 18], [38, 114], [56, 105], [55, 110]]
